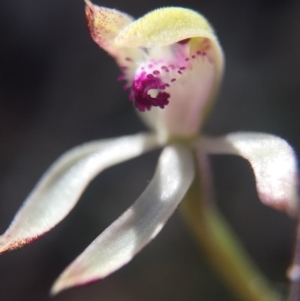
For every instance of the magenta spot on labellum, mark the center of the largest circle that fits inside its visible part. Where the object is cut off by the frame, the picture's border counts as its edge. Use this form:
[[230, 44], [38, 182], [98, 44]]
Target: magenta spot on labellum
[[172, 66], [193, 56], [150, 66], [140, 96], [123, 68], [128, 59], [203, 53], [179, 72], [173, 80], [182, 68], [163, 67], [198, 52], [156, 72], [187, 59], [185, 41]]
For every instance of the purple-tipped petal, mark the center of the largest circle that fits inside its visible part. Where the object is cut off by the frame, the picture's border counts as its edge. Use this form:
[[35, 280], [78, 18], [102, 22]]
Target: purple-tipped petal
[[123, 239], [104, 25], [273, 162], [62, 185]]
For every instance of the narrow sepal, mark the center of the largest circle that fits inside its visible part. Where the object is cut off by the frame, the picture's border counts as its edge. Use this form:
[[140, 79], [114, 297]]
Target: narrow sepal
[[60, 188], [104, 24], [273, 161], [123, 239]]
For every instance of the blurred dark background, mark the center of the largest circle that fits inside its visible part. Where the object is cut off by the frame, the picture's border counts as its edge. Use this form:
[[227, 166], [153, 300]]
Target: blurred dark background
[[58, 90]]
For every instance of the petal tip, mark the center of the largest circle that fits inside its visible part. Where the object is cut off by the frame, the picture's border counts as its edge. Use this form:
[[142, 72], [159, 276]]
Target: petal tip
[[56, 288], [68, 280], [288, 204], [7, 244], [293, 272], [62, 283], [3, 245], [104, 24], [88, 3]]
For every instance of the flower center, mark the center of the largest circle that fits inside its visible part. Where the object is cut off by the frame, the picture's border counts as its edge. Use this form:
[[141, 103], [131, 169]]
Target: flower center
[[154, 79], [147, 91]]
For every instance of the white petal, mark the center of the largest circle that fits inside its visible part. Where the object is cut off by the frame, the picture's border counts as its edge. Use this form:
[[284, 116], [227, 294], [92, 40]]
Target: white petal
[[104, 25], [61, 186], [122, 240], [273, 162]]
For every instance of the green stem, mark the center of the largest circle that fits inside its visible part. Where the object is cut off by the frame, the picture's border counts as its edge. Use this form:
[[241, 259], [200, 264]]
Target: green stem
[[224, 252]]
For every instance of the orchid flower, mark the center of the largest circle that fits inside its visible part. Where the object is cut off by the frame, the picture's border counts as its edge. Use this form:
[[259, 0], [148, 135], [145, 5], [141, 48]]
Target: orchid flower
[[172, 63]]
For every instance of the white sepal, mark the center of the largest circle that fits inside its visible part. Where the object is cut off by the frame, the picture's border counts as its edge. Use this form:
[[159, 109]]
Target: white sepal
[[273, 161], [60, 188], [123, 239]]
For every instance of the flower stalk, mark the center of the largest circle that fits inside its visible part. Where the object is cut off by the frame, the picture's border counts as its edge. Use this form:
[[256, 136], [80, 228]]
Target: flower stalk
[[222, 248]]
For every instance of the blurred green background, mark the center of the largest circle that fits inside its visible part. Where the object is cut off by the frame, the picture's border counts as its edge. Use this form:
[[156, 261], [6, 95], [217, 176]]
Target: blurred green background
[[58, 90]]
